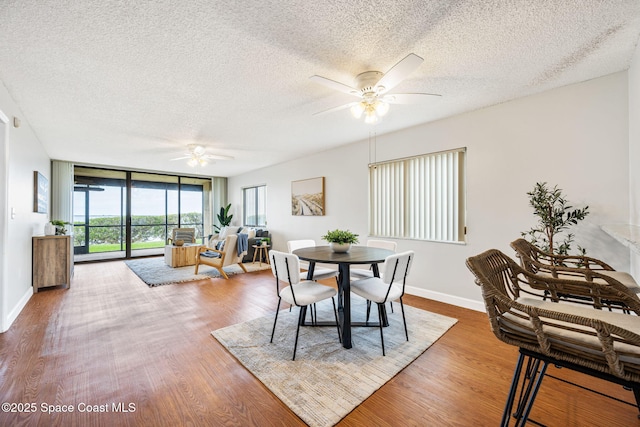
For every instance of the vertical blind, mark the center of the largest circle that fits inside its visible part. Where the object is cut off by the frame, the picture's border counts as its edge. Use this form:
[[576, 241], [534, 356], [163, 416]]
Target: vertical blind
[[419, 197]]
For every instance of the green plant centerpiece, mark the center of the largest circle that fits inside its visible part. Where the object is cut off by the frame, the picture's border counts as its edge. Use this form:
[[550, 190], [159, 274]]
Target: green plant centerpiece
[[340, 240], [555, 217], [61, 230], [224, 218]]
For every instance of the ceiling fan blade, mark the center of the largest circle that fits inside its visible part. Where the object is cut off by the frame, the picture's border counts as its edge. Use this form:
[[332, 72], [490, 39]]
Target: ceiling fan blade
[[408, 98], [181, 158], [332, 84], [218, 157], [399, 72], [338, 108]]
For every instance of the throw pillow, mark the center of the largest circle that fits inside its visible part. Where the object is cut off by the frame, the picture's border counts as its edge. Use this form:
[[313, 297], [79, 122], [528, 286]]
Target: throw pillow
[[250, 232]]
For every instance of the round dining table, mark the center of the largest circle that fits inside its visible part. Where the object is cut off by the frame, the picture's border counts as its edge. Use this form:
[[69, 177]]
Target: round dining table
[[356, 255]]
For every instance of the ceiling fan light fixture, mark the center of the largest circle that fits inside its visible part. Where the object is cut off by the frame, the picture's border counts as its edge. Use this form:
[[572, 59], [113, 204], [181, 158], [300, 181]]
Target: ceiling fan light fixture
[[358, 109], [382, 108], [370, 116], [372, 88], [193, 162]]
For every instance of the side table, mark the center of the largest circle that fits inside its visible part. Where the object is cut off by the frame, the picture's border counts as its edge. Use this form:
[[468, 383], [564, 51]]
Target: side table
[[261, 251], [181, 256]]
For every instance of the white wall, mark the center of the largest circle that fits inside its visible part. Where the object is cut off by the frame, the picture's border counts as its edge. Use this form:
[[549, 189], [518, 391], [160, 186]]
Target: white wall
[[25, 155], [634, 152], [575, 137]]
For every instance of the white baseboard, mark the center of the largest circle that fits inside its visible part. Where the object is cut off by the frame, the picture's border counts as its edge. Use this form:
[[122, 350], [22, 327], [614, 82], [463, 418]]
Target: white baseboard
[[446, 298], [15, 312]]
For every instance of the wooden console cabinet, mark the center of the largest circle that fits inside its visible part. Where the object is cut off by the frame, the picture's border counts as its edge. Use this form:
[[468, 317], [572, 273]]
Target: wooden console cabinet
[[52, 261]]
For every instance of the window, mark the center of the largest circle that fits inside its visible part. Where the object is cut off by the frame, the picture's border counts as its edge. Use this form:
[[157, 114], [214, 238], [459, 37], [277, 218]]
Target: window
[[419, 197], [254, 203], [109, 224]]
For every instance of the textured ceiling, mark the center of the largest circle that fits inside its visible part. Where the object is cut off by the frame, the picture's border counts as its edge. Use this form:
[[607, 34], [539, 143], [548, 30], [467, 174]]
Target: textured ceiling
[[132, 83]]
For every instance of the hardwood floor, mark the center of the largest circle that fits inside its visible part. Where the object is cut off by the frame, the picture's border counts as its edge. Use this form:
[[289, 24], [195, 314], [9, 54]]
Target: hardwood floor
[[111, 342]]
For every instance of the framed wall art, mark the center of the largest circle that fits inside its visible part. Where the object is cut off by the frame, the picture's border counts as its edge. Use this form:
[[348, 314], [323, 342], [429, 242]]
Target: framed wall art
[[307, 197], [40, 193]]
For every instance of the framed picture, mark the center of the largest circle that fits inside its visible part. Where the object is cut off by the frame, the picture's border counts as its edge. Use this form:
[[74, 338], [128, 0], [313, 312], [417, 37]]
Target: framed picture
[[40, 192], [307, 197]]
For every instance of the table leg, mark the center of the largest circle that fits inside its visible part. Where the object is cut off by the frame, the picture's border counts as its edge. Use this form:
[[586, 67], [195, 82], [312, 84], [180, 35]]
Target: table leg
[[312, 267], [376, 270], [344, 312]]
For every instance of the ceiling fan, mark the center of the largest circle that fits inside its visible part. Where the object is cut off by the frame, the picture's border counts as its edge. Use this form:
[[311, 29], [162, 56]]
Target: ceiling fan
[[372, 88], [197, 155]]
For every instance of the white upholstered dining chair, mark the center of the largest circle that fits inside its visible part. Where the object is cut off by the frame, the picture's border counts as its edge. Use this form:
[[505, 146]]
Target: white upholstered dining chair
[[361, 273], [388, 287], [319, 273], [301, 293]]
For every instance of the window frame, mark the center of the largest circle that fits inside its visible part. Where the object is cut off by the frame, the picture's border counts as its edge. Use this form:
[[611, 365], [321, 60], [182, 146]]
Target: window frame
[[256, 204], [420, 197]]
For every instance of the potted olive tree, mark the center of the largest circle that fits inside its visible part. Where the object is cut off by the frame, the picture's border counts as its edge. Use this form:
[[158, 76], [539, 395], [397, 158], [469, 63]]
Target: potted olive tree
[[340, 240], [555, 217]]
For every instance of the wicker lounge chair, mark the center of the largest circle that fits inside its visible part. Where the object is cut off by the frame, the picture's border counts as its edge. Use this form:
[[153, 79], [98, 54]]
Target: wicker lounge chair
[[595, 342]]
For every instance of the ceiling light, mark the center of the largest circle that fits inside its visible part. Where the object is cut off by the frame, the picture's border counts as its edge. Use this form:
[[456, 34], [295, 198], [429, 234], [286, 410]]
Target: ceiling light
[[382, 108], [372, 107], [358, 109], [370, 116]]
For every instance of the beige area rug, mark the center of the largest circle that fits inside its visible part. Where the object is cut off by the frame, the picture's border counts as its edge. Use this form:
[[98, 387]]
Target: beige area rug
[[154, 271], [327, 381]]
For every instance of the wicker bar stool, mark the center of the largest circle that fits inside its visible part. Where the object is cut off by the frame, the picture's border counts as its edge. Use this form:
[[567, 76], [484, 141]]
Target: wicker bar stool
[[576, 269], [573, 267], [599, 343]]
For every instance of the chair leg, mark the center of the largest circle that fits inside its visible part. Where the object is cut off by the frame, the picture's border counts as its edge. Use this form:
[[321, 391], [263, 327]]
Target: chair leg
[[380, 323], [636, 393], [532, 393], [404, 319], [314, 314], [530, 386], [512, 392], [311, 309], [276, 319], [391, 306], [335, 314], [222, 272], [530, 371], [295, 345], [368, 310]]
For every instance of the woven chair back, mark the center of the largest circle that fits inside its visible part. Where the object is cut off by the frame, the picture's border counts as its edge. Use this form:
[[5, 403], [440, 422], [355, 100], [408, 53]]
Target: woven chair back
[[554, 329]]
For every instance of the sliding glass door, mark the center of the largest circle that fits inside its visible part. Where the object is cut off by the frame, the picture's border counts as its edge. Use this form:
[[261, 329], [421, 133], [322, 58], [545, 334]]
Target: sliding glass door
[[99, 206], [154, 211], [120, 214]]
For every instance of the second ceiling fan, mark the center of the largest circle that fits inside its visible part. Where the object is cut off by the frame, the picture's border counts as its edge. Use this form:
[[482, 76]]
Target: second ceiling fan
[[372, 88]]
